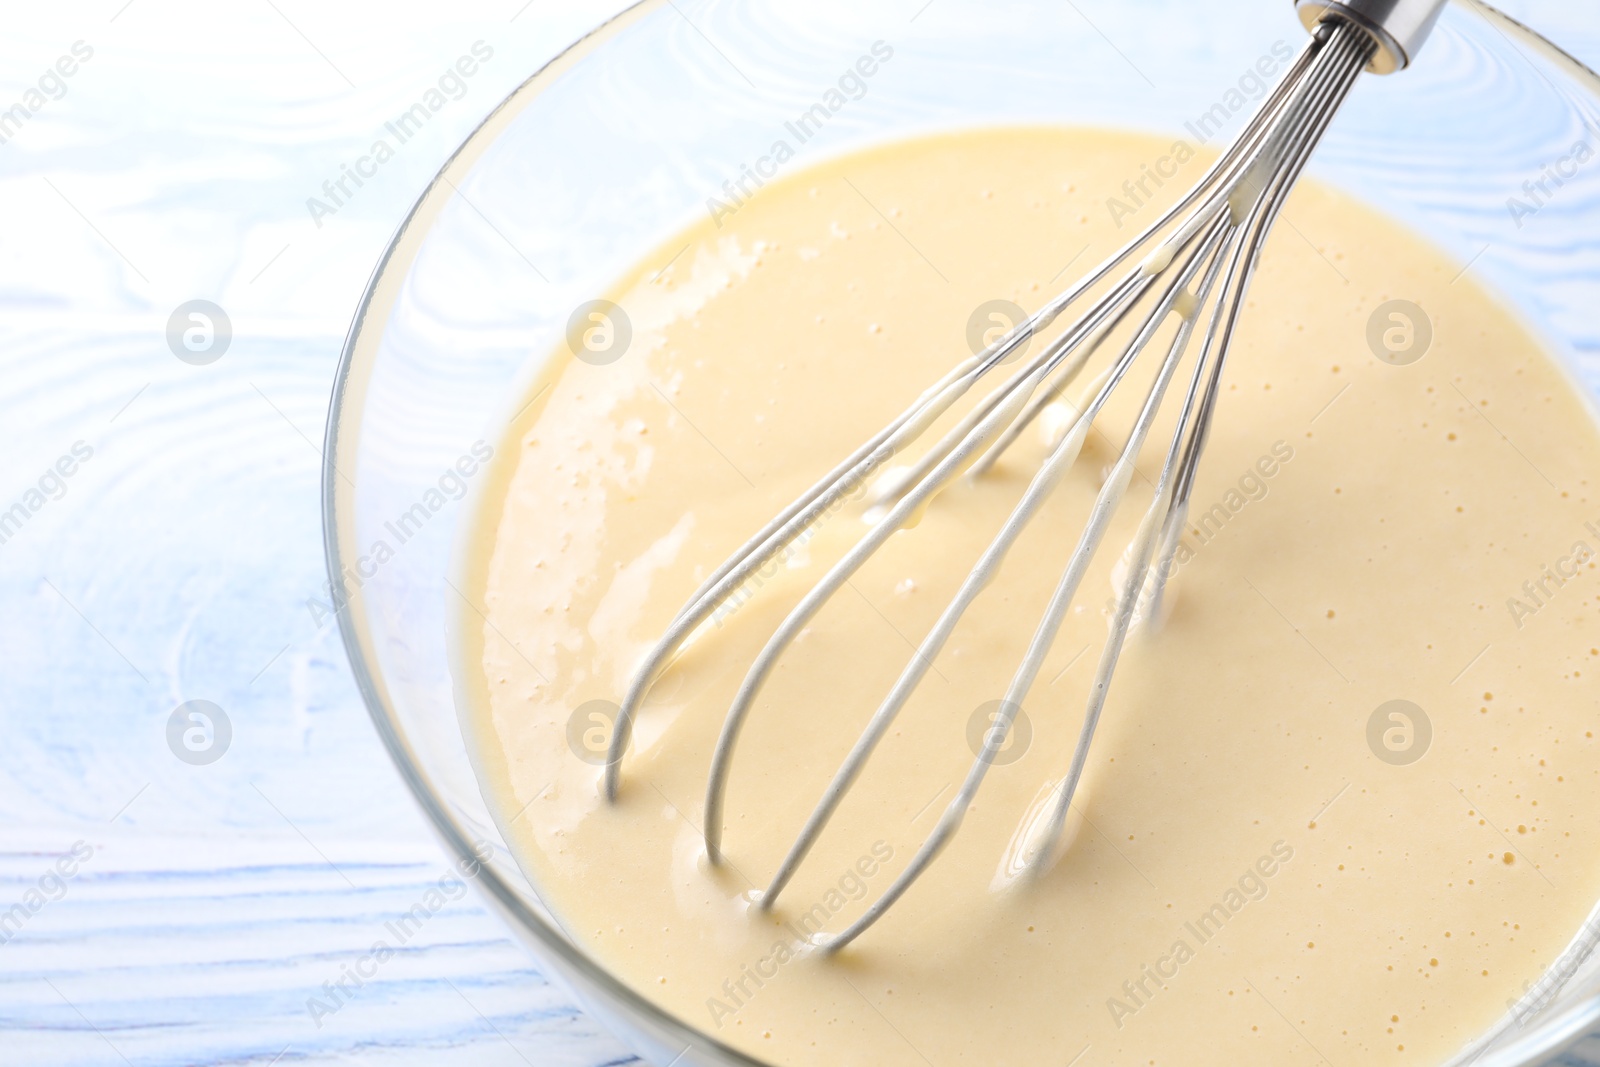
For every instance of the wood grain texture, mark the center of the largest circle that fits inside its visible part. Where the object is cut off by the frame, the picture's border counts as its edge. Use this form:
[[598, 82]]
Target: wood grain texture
[[217, 900]]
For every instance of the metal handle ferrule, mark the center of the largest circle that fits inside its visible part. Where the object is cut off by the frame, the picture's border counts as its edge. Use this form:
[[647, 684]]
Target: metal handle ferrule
[[1398, 26]]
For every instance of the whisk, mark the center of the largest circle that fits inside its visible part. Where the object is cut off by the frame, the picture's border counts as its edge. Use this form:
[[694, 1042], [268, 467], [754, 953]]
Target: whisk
[[1195, 262]]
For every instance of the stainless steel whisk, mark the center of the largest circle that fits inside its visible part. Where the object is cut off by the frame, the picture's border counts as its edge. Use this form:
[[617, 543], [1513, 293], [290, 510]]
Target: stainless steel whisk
[[1196, 261]]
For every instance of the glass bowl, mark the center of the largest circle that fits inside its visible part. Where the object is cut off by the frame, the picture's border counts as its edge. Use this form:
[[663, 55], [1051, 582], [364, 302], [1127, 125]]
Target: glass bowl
[[635, 128]]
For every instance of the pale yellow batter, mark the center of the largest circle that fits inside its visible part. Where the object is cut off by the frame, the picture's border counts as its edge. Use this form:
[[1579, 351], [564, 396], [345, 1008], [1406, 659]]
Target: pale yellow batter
[[1252, 883]]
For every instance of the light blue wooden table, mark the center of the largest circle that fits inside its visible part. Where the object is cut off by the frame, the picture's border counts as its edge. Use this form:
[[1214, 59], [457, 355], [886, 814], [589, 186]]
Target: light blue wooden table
[[204, 905]]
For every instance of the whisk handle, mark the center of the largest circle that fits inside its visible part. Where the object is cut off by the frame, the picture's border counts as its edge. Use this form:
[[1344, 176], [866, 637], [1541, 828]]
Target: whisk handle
[[1399, 26]]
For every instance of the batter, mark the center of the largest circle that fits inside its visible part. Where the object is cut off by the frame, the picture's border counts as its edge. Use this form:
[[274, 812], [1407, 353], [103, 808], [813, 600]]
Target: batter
[[1275, 862]]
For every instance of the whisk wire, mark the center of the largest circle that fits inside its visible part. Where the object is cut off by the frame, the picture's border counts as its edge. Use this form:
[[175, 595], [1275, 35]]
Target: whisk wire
[[1349, 52], [805, 510], [1100, 517], [1217, 232]]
